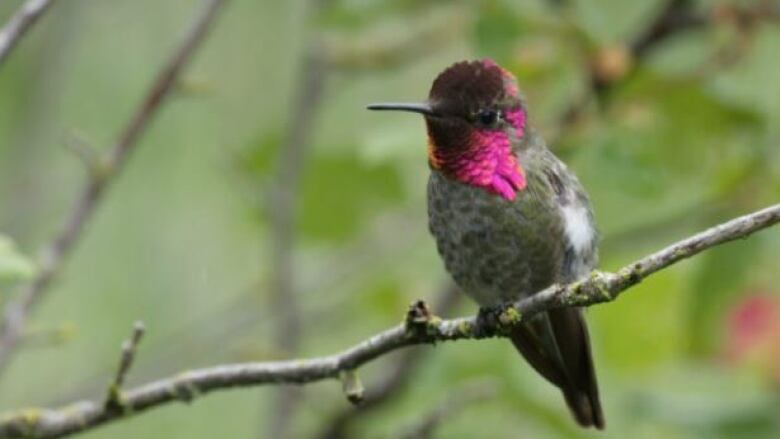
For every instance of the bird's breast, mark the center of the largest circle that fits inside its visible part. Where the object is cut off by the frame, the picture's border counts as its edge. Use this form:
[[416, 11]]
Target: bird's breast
[[498, 249], [495, 249]]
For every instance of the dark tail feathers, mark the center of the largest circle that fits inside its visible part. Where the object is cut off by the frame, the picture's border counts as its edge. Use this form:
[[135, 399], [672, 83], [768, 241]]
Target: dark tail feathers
[[557, 345]]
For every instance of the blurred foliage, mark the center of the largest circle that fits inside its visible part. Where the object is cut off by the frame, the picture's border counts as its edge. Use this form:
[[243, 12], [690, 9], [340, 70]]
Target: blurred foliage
[[13, 265], [685, 137]]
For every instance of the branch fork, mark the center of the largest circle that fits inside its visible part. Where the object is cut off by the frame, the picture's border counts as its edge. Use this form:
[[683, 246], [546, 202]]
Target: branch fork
[[129, 349]]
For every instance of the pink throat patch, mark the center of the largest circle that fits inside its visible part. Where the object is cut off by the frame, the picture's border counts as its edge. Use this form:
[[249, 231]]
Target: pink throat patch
[[486, 159], [491, 164]]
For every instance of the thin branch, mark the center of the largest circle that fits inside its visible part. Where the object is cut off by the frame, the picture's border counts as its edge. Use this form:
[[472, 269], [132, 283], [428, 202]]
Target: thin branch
[[420, 328], [668, 22], [19, 24], [55, 255], [282, 197], [604, 287], [395, 380], [281, 207], [673, 18], [129, 348], [352, 386]]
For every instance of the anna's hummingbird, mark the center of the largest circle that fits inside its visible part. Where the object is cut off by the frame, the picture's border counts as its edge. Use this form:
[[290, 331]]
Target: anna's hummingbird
[[509, 218]]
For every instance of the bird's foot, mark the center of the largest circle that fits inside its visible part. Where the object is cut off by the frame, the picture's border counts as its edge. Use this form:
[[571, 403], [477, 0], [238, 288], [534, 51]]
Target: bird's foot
[[489, 320]]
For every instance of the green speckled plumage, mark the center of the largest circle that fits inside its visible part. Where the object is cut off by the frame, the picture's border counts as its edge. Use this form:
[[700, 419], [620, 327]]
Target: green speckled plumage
[[497, 250], [510, 219], [500, 250]]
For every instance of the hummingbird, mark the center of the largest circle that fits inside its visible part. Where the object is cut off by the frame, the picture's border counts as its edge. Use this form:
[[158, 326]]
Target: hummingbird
[[510, 219]]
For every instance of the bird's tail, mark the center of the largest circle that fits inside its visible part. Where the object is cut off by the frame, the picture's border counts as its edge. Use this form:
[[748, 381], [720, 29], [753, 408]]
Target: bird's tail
[[557, 345]]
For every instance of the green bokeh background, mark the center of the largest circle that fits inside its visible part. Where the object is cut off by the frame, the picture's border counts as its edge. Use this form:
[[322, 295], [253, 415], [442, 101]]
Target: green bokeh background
[[182, 243]]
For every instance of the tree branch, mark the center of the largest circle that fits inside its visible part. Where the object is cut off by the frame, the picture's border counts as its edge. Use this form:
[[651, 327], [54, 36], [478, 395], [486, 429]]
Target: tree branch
[[19, 24], [419, 328], [394, 380], [129, 348], [612, 65], [55, 255], [281, 208]]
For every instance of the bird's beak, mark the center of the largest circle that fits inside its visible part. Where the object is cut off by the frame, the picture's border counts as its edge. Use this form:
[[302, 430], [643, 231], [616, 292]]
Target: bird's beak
[[422, 107]]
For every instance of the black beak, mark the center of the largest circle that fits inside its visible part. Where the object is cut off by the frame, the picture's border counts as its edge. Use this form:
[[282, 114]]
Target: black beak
[[422, 108]]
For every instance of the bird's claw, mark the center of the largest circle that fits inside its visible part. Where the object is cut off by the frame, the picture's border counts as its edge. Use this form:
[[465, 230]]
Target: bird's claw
[[488, 320]]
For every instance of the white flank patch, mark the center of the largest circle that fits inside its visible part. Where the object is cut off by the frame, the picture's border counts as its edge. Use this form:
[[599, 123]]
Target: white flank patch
[[578, 227]]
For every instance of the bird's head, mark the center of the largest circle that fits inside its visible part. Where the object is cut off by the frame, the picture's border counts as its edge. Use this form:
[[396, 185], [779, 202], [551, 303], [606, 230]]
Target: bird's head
[[474, 114]]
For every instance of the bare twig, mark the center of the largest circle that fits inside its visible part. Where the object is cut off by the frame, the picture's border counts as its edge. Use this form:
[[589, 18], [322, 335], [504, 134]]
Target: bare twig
[[675, 16], [598, 288], [129, 348], [19, 24], [55, 255], [352, 386], [612, 65], [604, 287], [395, 380], [282, 198]]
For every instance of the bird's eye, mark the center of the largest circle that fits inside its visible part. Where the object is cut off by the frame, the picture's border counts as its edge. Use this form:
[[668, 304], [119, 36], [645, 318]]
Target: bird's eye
[[488, 117]]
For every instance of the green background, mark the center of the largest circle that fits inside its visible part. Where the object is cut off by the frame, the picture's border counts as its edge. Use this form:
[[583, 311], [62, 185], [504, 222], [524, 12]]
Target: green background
[[683, 141]]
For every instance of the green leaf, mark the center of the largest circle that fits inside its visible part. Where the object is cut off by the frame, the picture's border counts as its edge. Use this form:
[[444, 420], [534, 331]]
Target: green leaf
[[14, 266]]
